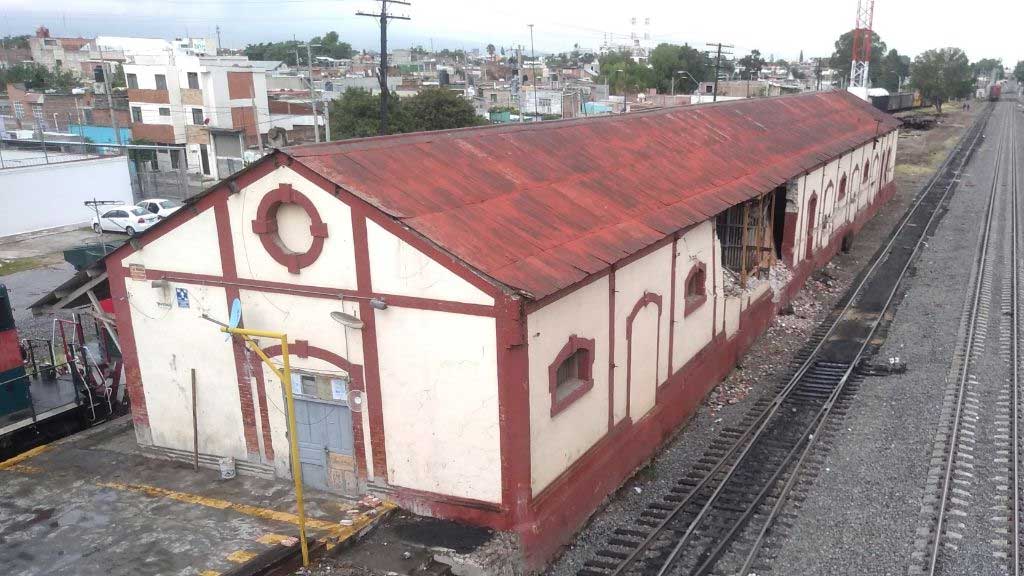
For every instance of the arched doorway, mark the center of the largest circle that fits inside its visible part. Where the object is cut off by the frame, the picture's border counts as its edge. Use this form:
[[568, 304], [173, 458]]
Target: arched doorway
[[643, 342], [812, 209]]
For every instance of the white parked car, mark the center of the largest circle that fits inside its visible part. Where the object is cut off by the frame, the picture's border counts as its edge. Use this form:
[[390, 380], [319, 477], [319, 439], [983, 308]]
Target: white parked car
[[160, 206], [124, 218]]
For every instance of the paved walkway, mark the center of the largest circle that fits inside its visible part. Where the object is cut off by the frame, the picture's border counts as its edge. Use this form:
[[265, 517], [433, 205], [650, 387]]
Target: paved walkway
[[94, 505]]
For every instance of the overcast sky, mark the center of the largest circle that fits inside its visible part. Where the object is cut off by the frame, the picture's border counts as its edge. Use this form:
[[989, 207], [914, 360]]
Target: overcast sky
[[984, 28]]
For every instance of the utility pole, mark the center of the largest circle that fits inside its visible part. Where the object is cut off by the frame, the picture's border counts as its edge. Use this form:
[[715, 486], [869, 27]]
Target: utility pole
[[718, 64], [312, 91], [384, 92], [218, 40], [533, 55], [110, 97]]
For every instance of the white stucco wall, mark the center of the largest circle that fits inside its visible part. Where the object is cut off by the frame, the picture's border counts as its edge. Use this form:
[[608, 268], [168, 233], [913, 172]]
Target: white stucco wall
[[651, 273], [556, 442], [191, 247], [335, 268], [51, 196], [398, 268], [694, 332], [170, 341], [439, 387]]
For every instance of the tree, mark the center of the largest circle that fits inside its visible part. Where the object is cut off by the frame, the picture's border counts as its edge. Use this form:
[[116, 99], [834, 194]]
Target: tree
[[892, 68], [20, 41], [1018, 72], [285, 51], [620, 72], [491, 50], [357, 113], [942, 75], [38, 77], [842, 58], [438, 109], [668, 59], [986, 66], [752, 65]]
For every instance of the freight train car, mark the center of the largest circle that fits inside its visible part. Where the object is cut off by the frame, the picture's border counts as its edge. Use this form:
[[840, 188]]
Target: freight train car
[[994, 92], [896, 101]]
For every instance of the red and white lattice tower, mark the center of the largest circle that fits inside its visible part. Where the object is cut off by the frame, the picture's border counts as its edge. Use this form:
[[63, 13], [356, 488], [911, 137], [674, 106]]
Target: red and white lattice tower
[[862, 44]]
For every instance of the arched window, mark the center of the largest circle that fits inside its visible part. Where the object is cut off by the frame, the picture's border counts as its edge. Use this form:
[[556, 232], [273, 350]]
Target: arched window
[[696, 288], [571, 375], [842, 188], [867, 170]]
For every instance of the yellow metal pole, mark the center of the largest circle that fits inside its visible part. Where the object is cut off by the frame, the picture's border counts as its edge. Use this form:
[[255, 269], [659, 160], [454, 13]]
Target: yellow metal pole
[[293, 439]]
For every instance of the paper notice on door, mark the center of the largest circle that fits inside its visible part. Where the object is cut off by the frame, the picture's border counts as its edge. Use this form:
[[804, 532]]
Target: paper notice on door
[[296, 383], [339, 388]]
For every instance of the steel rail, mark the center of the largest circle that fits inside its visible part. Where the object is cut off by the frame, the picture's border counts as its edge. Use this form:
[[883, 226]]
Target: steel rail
[[816, 434], [1015, 348], [755, 429], [966, 364]]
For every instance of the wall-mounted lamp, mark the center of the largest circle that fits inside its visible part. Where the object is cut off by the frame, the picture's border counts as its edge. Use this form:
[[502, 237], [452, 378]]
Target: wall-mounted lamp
[[378, 304], [347, 320]]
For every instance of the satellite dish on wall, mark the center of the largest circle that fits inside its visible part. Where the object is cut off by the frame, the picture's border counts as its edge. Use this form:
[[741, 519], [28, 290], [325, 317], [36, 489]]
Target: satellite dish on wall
[[277, 137], [236, 313]]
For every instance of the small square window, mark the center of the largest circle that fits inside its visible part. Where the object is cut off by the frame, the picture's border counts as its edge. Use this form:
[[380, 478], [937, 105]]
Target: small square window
[[132, 80], [165, 111], [197, 116], [137, 114], [193, 80], [161, 81]]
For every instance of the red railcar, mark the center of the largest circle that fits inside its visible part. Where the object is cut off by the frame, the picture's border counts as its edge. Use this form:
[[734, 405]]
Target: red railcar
[[994, 92]]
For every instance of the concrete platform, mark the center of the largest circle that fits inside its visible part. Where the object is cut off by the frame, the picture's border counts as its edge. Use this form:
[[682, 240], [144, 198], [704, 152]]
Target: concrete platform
[[94, 505]]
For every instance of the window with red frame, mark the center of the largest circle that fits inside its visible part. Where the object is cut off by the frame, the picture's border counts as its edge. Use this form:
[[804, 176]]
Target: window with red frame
[[842, 188], [571, 374], [696, 288]]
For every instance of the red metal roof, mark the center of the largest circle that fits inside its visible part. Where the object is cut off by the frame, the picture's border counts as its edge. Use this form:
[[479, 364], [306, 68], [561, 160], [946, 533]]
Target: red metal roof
[[539, 207]]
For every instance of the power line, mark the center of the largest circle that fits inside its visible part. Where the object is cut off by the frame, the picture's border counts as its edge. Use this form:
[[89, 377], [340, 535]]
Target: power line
[[385, 94], [718, 63]]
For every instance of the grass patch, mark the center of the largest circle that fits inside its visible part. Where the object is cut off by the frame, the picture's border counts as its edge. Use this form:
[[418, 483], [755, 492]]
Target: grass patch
[[18, 265]]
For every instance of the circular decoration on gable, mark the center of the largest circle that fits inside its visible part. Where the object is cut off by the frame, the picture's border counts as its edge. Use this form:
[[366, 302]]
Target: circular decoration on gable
[[279, 214]]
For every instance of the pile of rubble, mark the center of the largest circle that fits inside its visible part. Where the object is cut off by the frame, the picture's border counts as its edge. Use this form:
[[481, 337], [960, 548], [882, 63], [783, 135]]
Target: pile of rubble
[[787, 333]]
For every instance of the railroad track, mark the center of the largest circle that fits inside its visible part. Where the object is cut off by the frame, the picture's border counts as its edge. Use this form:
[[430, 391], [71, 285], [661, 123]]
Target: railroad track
[[971, 508], [719, 517]]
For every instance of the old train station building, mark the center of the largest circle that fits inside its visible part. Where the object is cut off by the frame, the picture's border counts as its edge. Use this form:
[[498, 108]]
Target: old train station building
[[540, 306]]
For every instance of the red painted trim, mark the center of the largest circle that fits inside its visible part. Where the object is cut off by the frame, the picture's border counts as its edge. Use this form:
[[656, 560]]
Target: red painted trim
[[374, 398], [261, 390], [611, 350], [225, 245], [395, 300], [514, 408], [265, 226], [126, 335], [696, 299], [302, 349], [647, 298], [586, 372], [672, 301]]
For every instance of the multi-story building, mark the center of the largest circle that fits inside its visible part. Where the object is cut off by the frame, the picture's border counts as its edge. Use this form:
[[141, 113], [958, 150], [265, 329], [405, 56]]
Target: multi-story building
[[215, 105], [29, 110]]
